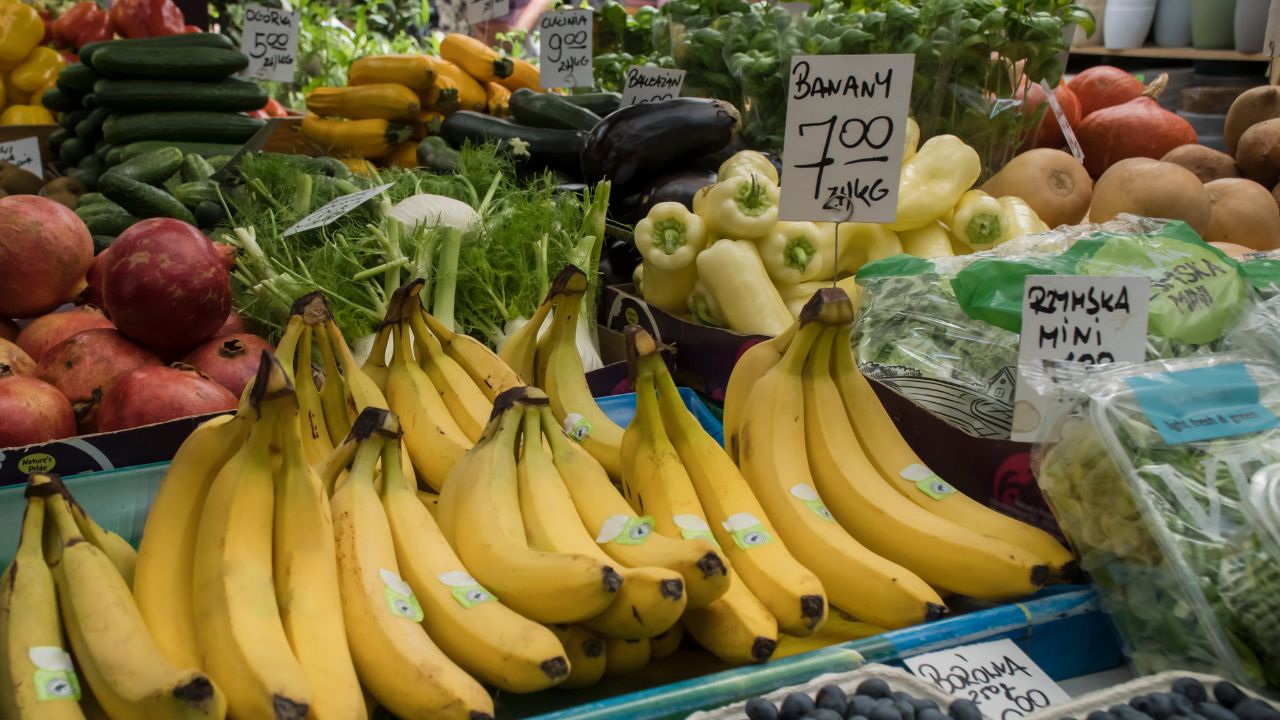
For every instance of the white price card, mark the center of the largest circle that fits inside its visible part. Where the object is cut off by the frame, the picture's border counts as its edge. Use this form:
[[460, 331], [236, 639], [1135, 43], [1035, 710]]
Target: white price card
[[998, 676], [846, 130], [24, 153], [1080, 319], [482, 10], [647, 84], [564, 49], [335, 209], [270, 40]]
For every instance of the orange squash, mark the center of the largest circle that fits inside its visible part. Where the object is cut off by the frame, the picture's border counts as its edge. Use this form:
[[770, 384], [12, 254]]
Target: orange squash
[[1137, 128]]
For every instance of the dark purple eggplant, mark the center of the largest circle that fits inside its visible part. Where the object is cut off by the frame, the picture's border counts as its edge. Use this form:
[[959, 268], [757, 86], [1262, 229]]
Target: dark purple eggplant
[[677, 187], [636, 144]]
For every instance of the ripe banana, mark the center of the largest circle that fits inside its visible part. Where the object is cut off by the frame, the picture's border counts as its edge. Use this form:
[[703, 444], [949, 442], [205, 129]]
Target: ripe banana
[[333, 390], [942, 553], [394, 657], [737, 628], [486, 369], [489, 640], [287, 348], [904, 471], [754, 363], [334, 468], [467, 404], [480, 515], [519, 350], [665, 643], [624, 657], [37, 680], [651, 599], [586, 655], [791, 592], [315, 430], [840, 628], [626, 537], [122, 554], [375, 366], [434, 440], [238, 628], [163, 581], [129, 676], [362, 391], [306, 580]]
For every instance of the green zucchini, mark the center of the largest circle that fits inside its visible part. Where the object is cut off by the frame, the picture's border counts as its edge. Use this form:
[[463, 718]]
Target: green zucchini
[[195, 167], [59, 100], [168, 63], [191, 40], [91, 127], [142, 200], [152, 168], [93, 198], [466, 125], [229, 95], [207, 150], [73, 150], [545, 110], [101, 150], [600, 103], [191, 126], [192, 194], [209, 214], [78, 79], [435, 154], [69, 120], [57, 137]]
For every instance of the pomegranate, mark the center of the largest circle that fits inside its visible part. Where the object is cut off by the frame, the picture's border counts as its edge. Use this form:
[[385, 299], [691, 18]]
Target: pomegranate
[[45, 251], [149, 395], [16, 359], [93, 294], [33, 411], [229, 360], [226, 254], [165, 286], [85, 365], [48, 330], [235, 325], [8, 329]]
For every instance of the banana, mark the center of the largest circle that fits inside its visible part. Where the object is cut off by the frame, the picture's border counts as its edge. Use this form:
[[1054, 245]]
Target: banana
[[238, 628], [334, 468], [431, 502], [306, 581], [480, 515], [943, 554], [467, 404], [396, 660], [651, 599], [375, 366], [333, 391], [624, 657], [754, 363], [162, 583], [129, 676], [37, 680], [489, 640], [287, 348], [362, 390], [434, 440], [315, 430], [486, 369], [737, 628], [774, 464], [839, 628], [519, 350], [122, 554], [904, 471], [791, 592], [586, 655], [665, 643]]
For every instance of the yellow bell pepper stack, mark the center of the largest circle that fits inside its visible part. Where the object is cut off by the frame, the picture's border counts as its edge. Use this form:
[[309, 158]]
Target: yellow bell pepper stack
[[38, 70], [26, 115], [21, 30]]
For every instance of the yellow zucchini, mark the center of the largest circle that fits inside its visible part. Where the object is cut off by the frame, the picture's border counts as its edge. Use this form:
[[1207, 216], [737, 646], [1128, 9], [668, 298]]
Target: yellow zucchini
[[416, 72], [360, 166], [475, 58], [523, 75], [385, 101], [470, 93], [497, 100], [354, 138], [403, 155], [443, 95], [426, 122]]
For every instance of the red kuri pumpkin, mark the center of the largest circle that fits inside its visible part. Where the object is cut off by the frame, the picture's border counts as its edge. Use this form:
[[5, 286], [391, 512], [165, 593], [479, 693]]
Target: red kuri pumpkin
[[1137, 128]]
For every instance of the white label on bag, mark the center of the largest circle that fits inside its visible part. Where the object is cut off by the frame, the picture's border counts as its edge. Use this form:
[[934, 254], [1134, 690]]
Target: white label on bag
[[564, 49], [998, 676], [646, 84], [335, 209], [270, 39], [846, 130], [482, 10], [1065, 126], [24, 153]]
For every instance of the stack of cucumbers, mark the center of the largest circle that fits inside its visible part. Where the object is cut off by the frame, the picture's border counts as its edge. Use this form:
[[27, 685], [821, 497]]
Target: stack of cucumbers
[[163, 182], [128, 98]]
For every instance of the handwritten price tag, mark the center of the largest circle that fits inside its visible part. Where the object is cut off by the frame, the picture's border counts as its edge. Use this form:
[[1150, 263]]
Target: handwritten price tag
[[335, 209], [846, 129], [646, 84], [565, 49], [482, 10], [998, 676], [270, 40], [24, 153]]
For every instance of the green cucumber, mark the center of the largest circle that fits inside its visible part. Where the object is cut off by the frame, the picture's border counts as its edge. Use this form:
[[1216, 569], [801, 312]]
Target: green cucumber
[[73, 150], [209, 214], [57, 137], [207, 150], [195, 167], [115, 156], [217, 162], [59, 100], [109, 223], [89, 128], [78, 78], [93, 198], [152, 168], [89, 102], [102, 242], [69, 120], [168, 63], [191, 126], [88, 177], [600, 103], [544, 110], [192, 40], [142, 200], [101, 150], [91, 163], [192, 194], [229, 95]]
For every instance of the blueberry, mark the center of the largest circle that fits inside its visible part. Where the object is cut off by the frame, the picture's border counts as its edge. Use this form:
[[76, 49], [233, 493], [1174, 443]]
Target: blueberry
[[1253, 709], [1213, 711], [1191, 688], [1227, 694], [761, 709], [1182, 704], [1126, 712], [906, 709], [930, 714], [832, 697], [903, 696], [1141, 703], [875, 687], [795, 705], [860, 705], [822, 714], [1100, 715], [885, 712], [923, 704], [1160, 706], [964, 710]]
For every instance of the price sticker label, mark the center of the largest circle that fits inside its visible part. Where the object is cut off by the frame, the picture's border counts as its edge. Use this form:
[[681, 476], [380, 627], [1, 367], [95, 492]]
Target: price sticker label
[[998, 676], [335, 209], [846, 130], [1075, 318], [481, 10], [647, 84], [564, 49], [270, 40], [25, 153]]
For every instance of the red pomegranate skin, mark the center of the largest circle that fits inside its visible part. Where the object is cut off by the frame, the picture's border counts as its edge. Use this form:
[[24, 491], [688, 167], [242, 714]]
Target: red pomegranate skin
[[46, 331], [33, 411], [149, 395], [165, 286], [229, 360], [16, 359], [235, 325], [95, 281], [85, 366], [45, 251]]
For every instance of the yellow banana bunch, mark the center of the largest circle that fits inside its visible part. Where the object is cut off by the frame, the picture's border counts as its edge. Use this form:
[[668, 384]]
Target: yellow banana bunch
[[585, 651]]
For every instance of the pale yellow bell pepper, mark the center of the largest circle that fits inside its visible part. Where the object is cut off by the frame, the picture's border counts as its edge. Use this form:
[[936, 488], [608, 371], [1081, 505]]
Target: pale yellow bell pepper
[[912, 141], [743, 207], [39, 69], [26, 115], [669, 239], [747, 162], [861, 243], [797, 252], [21, 30], [933, 181], [981, 221], [929, 242], [734, 275]]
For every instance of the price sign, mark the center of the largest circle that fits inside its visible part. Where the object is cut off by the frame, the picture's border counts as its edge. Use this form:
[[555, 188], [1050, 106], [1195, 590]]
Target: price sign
[[998, 676], [270, 40], [482, 10], [335, 209], [24, 153], [846, 129], [564, 49], [646, 84], [1082, 319]]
